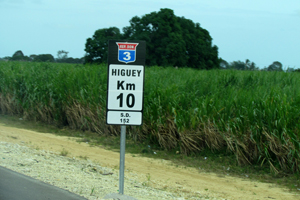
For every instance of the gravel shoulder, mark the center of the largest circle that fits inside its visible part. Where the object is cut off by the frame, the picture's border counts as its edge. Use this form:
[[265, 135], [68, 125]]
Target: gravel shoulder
[[92, 172]]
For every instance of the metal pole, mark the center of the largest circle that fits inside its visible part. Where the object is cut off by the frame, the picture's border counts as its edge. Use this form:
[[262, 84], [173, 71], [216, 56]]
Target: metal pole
[[122, 159]]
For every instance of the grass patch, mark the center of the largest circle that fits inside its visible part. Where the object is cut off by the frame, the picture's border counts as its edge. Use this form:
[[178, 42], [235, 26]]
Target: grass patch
[[64, 152], [83, 157]]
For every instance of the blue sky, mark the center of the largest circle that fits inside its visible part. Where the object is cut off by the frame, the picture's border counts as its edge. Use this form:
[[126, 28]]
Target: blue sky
[[262, 31]]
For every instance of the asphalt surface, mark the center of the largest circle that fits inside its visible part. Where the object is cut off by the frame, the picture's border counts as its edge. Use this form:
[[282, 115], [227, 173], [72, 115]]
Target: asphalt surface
[[15, 186]]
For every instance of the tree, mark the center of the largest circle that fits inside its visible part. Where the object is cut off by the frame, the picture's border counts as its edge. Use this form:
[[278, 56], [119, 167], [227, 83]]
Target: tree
[[44, 58], [74, 60], [162, 32], [18, 55], [62, 56], [275, 66], [250, 65], [290, 69], [6, 58], [32, 57], [239, 65], [171, 41], [96, 47], [199, 49], [223, 64]]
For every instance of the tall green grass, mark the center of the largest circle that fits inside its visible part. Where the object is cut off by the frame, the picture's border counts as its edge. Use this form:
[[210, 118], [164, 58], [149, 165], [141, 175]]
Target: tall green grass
[[254, 115]]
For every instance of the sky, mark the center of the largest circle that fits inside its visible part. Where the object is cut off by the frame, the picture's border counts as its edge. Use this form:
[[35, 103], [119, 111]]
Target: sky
[[262, 31]]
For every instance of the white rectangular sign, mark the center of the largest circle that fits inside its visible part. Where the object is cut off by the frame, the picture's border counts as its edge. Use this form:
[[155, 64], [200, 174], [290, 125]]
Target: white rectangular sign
[[126, 118], [125, 94]]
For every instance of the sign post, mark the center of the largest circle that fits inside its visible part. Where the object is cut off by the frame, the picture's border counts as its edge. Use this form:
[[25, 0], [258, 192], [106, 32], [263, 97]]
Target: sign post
[[122, 159], [125, 90]]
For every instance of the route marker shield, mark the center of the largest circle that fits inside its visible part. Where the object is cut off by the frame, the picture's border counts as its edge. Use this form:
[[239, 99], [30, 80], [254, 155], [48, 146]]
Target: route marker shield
[[126, 52]]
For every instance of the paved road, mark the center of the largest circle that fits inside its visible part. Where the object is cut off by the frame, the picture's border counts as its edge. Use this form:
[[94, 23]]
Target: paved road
[[15, 186]]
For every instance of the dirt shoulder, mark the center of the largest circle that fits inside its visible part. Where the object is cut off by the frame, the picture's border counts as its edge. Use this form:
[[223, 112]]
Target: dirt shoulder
[[160, 174]]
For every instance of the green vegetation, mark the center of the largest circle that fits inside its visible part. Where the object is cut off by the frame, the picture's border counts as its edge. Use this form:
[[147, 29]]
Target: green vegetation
[[62, 57], [64, 152], [251, 115], [171, 41], [19, 56]]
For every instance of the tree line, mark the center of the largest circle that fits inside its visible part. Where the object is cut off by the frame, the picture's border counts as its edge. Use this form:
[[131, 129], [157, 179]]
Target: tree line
[[62, 57], [251, 66], [170, 41]]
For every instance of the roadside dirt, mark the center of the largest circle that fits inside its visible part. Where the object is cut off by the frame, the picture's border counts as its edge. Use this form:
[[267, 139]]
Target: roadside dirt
[[162, 174]]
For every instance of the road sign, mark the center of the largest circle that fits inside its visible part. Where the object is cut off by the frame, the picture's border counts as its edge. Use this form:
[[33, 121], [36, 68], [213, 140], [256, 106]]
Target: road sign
[[125, 90], [126, 52], [125, 83]]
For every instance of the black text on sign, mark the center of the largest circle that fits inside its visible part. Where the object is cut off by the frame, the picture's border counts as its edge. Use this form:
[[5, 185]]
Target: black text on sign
[[125, 94]]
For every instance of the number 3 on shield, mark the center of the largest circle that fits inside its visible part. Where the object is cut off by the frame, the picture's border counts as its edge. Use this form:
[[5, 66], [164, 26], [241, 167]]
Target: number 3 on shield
[[130, 100], [127, 55]]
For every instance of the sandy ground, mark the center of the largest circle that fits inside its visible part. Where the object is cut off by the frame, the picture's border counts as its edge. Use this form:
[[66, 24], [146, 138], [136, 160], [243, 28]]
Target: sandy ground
[[162, 173]]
